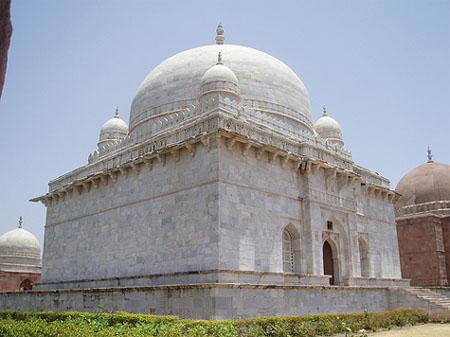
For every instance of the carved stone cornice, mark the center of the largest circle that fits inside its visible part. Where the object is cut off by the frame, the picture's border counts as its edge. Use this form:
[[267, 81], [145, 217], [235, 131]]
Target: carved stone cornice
[[221, 122]]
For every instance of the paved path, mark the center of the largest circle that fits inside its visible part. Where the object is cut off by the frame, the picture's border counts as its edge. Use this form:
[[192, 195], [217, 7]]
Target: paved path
[[426, 330]]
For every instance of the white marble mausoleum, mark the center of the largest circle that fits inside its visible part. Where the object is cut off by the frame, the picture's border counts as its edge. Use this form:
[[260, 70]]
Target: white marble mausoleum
[[222, 181]]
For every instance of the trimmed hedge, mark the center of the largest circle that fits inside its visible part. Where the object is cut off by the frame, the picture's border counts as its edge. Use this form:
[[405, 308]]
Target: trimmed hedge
[[74, 324]]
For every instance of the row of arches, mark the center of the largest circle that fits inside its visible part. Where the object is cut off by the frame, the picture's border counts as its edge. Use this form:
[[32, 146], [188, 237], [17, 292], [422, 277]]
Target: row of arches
[[330, 255]]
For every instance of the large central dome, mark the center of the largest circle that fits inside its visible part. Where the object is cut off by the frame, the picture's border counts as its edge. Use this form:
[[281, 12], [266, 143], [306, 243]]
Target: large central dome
[[265, 83]]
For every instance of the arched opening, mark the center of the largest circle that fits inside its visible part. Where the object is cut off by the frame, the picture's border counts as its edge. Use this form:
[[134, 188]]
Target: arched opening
[[26, 285], [291, 249], [364, 258], [328, 262], [288, 252]]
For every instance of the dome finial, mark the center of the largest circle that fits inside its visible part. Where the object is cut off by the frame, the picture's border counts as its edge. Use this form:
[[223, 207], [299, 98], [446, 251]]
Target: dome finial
[[219, 34], [324, 108], [20, 221], [116, 113], [219, 58], [429, 155]]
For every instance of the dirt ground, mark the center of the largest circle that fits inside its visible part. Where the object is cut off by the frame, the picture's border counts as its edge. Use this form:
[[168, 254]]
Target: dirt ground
[[425, 330]]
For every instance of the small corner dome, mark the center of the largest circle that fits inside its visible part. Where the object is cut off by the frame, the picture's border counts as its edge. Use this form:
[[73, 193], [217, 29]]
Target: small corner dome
[[115, 124], [327, 128], [114, 128], [19, 243], [219, 73]]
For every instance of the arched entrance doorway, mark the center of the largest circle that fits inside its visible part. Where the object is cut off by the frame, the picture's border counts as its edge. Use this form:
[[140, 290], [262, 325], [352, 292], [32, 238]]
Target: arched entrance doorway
[[328, 262]]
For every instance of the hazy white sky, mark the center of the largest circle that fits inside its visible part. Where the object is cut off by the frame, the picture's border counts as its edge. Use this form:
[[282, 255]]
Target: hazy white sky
[[381, 67]]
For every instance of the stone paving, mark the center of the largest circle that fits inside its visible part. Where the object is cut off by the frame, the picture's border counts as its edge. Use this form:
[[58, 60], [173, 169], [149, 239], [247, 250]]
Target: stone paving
[[426, 330]]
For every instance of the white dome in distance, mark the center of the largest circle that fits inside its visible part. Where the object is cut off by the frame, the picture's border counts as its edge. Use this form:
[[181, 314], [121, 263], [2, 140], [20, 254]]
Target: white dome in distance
[[19, 247]]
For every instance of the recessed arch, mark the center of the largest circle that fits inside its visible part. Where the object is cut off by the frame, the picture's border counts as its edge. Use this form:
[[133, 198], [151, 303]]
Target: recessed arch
[[290, 249], [26, 285], [364, 260], [340, 244], [330, 261]]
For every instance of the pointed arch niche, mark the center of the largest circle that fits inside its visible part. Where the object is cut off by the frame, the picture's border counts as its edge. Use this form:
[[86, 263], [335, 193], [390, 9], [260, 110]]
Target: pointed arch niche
[[291, 249], [364, 260]]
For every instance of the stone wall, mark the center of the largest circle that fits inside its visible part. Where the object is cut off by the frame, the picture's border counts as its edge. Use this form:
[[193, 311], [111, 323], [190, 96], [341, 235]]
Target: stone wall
[[217, 301], [11, 281], [206, 301], [423, 250], [202, 276], [221, 207], [258, 198], [147, 221], [261, 195], [446, 235]]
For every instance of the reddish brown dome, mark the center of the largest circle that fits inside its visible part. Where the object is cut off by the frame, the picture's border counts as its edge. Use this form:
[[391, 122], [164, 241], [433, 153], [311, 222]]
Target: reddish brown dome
[[426, 183]]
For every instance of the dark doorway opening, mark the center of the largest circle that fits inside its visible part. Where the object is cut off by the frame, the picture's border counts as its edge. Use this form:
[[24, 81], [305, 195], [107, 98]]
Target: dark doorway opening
[[26, 285], [328, 262]]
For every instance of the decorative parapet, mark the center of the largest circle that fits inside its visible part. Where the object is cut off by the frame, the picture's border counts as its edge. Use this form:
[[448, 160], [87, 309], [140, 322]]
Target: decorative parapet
[[266, 114], [435, 207], [263, 107], [162, 111], [276, 109], [371, 178]]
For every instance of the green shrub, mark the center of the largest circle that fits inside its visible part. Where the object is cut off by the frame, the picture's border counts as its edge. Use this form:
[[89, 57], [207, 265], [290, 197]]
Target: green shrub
[[73, 324]]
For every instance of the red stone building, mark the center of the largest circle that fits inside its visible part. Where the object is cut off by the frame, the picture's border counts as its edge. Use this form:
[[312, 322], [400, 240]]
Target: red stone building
[[20, 260], [423, 224]]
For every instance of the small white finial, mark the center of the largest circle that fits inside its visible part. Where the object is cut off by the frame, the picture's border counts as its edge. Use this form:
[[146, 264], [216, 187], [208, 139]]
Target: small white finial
[[324, 108], [219, 58], [220, 38], [20, 221], [116, 114], [429, 155]]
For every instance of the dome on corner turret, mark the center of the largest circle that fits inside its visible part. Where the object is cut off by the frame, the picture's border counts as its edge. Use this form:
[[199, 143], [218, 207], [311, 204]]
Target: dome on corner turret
[[219, 73], [219, 79], [329, 129], [114, 129]]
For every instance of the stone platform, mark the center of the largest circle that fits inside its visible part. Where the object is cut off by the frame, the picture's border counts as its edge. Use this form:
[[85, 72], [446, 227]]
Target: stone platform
[[227, 276], [220, 301]]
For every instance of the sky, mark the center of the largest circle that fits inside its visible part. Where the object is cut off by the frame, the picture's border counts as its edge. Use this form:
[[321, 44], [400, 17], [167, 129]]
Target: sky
[[382, 68]]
